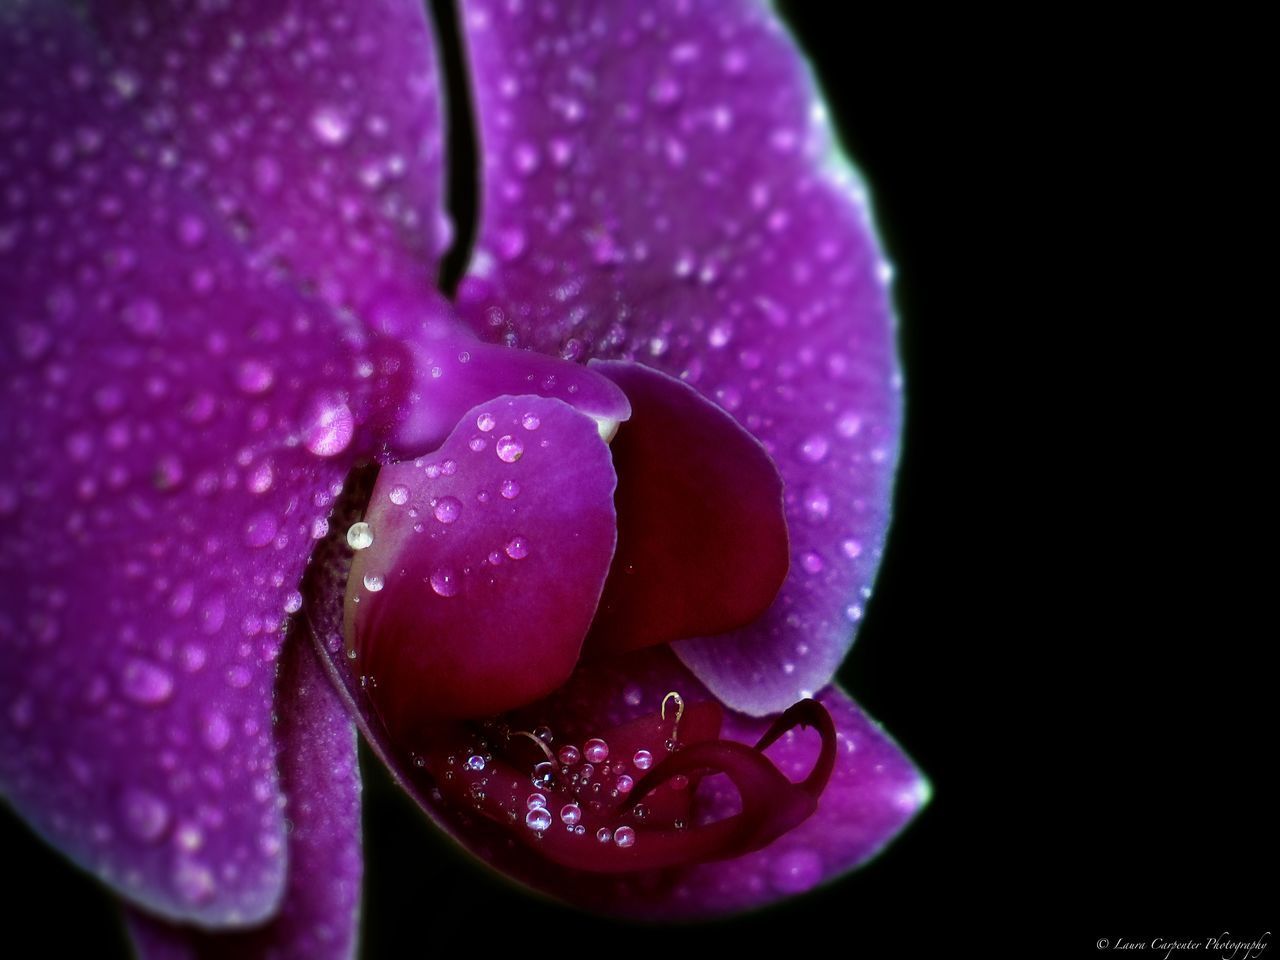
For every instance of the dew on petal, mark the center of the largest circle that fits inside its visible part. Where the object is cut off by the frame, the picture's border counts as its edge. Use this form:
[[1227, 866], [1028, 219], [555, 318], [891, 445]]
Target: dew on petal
[[360, 536], [399, 495], [624, 837], [447, 509], [372, 582], [444, 582], [146, 683], [510, 489], [538, 819], [518, 548], [509, 449]]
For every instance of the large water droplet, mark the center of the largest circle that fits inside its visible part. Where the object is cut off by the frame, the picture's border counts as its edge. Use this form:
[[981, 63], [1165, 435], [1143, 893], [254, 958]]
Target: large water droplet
[[517, 548], [447, 509], [372, 582], [146, 683], [509, 449], [399, 495], [329, 427], [624, 837], [510, 489], [486, 422], [444, 582], [538, 819], [596, 750], [360, 536], [330, 126], [145, 815]]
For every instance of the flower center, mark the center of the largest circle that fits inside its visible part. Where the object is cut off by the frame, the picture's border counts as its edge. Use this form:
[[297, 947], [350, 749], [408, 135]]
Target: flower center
[[658, 792]]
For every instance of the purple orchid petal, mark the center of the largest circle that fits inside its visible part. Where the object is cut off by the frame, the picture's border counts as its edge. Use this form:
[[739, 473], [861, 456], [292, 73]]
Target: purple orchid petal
[[660, 184], [480, 567], [702, 541], [454, 372], [315, 126], [318, 917], [178, 424]]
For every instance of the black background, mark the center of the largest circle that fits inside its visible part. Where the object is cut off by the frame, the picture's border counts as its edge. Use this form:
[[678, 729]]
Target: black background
[[1099, 771]]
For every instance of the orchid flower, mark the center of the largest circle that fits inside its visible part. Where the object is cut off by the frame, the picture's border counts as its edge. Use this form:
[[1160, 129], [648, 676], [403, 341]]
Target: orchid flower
[[577, 549]]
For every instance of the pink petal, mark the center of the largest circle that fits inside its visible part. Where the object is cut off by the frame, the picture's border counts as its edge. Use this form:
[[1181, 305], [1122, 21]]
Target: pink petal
[[314, 126], [319, 915], [178, 424], [660, 185], [702, 542], [481, 565]]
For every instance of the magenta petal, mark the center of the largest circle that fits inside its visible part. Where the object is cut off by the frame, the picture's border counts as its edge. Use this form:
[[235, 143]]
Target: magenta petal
[[482, 565], [454, 372], [315, 126], [661, 185], [318, 917], [177, 424], [702, 541]]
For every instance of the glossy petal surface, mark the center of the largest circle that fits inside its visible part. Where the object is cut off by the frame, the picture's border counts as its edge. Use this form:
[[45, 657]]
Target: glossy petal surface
[[313, 125], [480, 566], [660, 184], [175, 422], [318, 918], [702, 541]]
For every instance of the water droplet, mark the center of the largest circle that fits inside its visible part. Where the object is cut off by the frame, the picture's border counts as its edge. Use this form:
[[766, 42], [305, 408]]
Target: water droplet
[[509, 449], [360, 536], [449, 468], [596, 750], [444, 582], [145, 815], [624, 784], [544, 774], [261, 477], [475, 762], [643, 759], [853, 613], [535, 801], [796, 871], [372, 582], [518, 548], [815, 448], [293, 602], [143, 317], [510, 489], [216, 730], [477, 444], [812, 562], [624, 837], [817, 504], [569, 755], [194, 882], [319, 528], [447, 509], [254, 376], [399, 495], [146, 683], [239, 676], [538, 819], [531, 421], [330, 126], [329, 427], [486, 422], [260, 530], [604, 835], [570, 813]]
